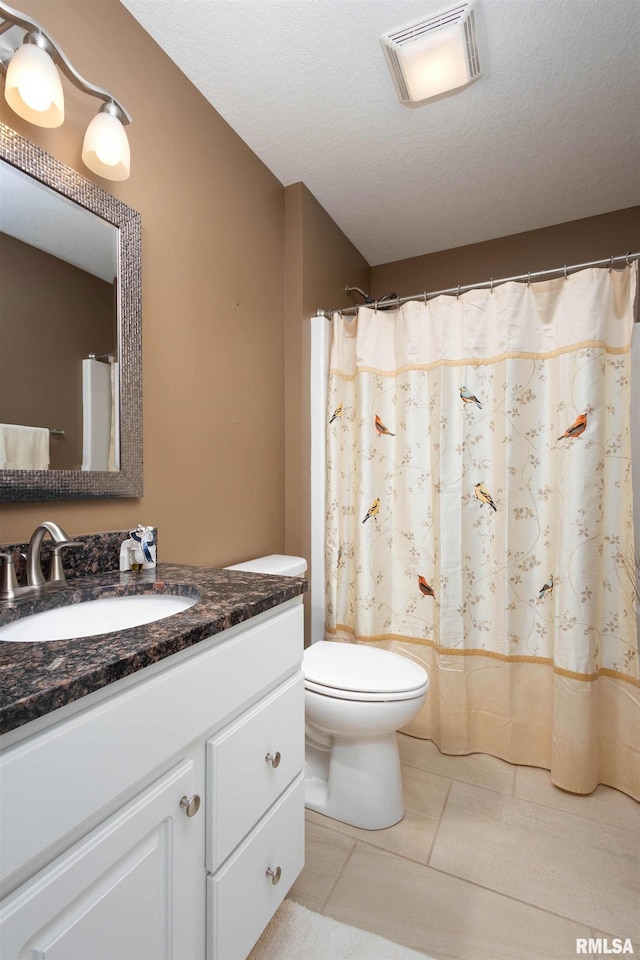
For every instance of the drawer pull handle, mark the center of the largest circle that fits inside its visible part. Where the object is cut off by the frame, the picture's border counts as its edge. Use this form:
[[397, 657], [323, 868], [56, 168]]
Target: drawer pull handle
[[190, 805], [273, 759], [274, 874]]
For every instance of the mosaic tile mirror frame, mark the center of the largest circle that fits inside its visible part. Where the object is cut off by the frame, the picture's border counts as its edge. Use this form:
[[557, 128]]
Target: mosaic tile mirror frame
[[127, 481]]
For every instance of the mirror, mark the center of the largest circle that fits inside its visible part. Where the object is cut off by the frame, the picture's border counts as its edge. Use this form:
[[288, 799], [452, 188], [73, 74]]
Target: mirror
[[70, 333], [58, 270]]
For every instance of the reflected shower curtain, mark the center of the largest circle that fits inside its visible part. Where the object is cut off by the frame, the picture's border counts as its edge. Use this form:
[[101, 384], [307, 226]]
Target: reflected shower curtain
[[480, 516]]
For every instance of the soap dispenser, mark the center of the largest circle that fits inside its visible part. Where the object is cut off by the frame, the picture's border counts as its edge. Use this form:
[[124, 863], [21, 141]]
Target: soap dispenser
[[138, 551]]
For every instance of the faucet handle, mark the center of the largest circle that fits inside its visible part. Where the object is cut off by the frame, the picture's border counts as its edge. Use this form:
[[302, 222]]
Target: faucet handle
[[8, 579], [57, 574]]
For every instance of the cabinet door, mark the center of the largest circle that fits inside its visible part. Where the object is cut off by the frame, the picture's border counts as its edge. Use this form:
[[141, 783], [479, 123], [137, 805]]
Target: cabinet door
[[132, 889]]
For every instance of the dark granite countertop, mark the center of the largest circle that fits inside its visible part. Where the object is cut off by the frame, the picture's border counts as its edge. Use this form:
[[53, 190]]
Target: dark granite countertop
[[37, 678]]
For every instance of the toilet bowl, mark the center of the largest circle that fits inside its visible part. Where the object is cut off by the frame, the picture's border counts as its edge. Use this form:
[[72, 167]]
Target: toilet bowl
[[356, 697]]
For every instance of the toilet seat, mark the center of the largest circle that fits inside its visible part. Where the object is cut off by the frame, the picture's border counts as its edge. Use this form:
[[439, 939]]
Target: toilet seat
[[358, 672]]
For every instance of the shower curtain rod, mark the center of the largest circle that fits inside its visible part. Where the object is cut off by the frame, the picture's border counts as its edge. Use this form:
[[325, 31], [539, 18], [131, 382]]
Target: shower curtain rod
[[538, 275]]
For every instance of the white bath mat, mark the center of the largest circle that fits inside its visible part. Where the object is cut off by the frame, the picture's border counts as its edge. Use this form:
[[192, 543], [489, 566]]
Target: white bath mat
[[296, 933]]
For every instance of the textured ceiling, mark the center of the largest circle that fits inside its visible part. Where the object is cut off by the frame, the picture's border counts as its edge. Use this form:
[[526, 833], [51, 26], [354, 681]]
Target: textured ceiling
[[549, 133]]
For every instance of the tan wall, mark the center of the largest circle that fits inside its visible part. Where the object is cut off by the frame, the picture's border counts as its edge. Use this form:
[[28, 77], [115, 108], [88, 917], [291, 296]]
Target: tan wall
[[212, 277], [578, 241], [319, 262], [44, 330]]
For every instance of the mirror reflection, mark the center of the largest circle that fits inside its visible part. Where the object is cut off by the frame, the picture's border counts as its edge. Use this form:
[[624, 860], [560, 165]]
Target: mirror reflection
[[73, 213], [59, 367]]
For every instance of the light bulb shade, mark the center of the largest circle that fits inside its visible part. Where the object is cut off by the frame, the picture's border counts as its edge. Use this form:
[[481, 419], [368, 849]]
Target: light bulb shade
[[106, 148], [32, 87], [435, 64]]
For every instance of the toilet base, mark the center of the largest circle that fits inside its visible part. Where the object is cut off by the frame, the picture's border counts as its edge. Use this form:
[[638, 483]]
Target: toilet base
[[355, 780]]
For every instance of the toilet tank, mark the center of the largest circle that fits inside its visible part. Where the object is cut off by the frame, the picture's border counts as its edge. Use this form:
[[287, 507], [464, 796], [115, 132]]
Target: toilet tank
[[275, 563]]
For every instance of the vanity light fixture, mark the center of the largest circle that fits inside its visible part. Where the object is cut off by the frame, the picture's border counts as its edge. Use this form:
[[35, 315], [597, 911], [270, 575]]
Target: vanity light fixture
[[29, 57], [433, 55], [106, 149], [32, 87]]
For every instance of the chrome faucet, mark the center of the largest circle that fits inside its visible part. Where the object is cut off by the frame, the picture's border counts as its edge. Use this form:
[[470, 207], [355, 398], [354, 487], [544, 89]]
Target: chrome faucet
[[36, 583], [35, 576]]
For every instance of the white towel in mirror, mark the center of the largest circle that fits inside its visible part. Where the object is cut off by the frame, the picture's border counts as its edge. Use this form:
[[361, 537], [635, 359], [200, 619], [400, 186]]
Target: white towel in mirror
[[23, 448]]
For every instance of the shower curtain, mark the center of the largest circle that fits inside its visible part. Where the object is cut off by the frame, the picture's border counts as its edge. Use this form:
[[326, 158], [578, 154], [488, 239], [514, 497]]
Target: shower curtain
[[480, 516]]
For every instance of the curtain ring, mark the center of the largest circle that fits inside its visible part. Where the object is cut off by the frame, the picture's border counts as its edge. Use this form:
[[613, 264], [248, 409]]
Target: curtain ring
[[529, 278], [565, 271], [491, 284], [458, 293], [375, 307], [626, 259], [425, 296], [611, 264]]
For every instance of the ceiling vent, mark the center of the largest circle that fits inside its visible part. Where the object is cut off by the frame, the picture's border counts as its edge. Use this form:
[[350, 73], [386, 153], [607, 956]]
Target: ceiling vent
[[434, 55]]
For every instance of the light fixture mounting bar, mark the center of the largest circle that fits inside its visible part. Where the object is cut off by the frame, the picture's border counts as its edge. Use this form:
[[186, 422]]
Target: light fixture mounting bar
[[13, 17]]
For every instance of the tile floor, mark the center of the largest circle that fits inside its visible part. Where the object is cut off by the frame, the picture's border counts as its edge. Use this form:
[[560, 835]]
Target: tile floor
[[491, 862]]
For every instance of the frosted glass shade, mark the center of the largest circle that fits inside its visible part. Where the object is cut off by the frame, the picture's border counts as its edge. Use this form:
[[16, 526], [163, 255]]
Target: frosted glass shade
[[32, 87], [435, 63], [106, 148]]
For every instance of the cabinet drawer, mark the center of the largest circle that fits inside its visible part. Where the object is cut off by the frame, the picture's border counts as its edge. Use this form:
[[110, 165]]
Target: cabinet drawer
[[241, 898], [241, 783]]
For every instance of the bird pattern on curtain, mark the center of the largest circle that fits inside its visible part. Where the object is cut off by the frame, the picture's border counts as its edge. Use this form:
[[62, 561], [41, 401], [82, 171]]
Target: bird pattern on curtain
[[479, 479]]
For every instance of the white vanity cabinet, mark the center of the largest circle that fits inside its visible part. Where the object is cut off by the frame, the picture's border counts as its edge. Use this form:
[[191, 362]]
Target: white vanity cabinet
[[104, 849]]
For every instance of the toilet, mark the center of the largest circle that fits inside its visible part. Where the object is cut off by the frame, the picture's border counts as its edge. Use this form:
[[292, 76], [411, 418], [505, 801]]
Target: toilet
[[356, 697]]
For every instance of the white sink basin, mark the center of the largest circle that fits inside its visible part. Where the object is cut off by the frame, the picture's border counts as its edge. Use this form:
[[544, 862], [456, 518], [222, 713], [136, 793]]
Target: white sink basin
[[93, 617]]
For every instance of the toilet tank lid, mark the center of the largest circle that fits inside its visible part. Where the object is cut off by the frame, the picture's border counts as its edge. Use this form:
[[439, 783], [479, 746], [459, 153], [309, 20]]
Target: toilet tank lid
[[275, 563]]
